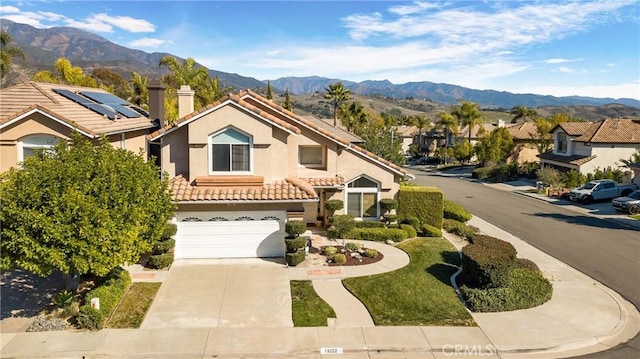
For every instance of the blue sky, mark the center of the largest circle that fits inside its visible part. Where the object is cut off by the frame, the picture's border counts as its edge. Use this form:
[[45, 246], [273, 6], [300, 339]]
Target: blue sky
[[556, 47]]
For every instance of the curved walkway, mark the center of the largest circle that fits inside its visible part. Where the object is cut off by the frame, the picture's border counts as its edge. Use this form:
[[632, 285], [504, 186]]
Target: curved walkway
[[327, 280]]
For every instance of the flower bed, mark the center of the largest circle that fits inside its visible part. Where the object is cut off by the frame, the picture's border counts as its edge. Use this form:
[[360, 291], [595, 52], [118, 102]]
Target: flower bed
[[352, 260]]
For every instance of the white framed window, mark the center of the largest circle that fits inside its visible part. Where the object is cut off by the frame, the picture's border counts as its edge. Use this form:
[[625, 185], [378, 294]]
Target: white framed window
[[311, 156], [30, 144], [562, 142], [230, 152], [362, 198]]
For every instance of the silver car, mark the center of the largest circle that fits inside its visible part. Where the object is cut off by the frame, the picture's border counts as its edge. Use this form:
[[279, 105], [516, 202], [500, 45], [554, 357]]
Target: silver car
[[629, 204]]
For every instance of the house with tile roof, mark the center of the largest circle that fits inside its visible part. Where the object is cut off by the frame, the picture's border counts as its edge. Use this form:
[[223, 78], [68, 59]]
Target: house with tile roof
[[242, 166], [585, 146], [37, 115]]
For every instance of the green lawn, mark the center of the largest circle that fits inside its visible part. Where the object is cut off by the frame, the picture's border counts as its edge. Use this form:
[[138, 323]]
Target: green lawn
[[418, 294], [135, 303], [309, 310]]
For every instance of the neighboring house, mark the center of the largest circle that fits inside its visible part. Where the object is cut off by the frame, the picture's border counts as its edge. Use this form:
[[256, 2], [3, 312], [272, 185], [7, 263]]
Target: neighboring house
[[524, 135], [585, 146], [241, 167], [37, 115], [406, 134]]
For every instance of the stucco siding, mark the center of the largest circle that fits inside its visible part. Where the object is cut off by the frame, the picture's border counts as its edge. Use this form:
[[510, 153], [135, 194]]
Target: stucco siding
[[606, 156], [174, 154]]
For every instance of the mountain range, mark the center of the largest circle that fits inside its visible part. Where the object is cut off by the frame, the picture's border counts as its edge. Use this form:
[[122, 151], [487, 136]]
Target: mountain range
[[87, 50]]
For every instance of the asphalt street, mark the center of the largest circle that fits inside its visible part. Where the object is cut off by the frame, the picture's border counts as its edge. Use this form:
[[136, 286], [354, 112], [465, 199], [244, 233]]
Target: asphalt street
[[605, 251]]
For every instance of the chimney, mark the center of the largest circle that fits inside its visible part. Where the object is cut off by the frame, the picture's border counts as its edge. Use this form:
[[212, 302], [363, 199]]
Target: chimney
[[185, 101], [156, 101]]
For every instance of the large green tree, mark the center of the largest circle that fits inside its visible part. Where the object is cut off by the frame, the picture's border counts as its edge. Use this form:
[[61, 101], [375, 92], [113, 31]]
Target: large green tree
[[522, 112], [139, 95], [8, 51], [423, 124], [494, 147], [81, 209], [188, 72], [446, 122], [337, 93]]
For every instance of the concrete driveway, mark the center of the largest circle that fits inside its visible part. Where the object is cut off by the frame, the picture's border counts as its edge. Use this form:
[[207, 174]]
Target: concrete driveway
[[222, 293]]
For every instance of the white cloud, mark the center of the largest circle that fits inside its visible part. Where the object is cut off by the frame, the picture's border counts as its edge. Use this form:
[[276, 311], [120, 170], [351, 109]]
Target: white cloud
[[565, 69], [126, 23], [147, 42], [559, 61], [8, 9], [416, 7]]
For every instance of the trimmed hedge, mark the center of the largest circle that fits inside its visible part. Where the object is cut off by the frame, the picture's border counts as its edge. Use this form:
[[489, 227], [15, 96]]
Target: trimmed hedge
[[458, 228], [369, 224], [170, 230], [431, 231], [424, 203], [293, 259], [378, 234], [481, 173], [160, 261], [525, 288], [110, 293], [452, 210], [487, 261], [387, 204], [293, 244], [295, 228], [163, 246], [411, 231]]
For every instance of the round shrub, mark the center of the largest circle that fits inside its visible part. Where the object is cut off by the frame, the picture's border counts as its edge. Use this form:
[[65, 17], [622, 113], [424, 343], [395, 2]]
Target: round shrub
[[332, 233], [343, 224], [431, 231], [370, 252], [295, 228], [458, 228], [339, 258], [487, 265], [160, 261], [293, 259], [412, 221], [164, 246], [481, 173], [455, 211], [333, 205], [293, 244], [170, 230], [329, 251], [524, 289], [411, 232], [352, 246], [390, 218], [387, 204]]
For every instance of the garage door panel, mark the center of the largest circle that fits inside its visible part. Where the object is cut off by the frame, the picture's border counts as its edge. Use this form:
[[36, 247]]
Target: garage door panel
[[231, 239]]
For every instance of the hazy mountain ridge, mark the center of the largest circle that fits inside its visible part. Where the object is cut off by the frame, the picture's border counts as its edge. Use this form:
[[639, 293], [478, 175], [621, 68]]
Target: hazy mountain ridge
[[88, 50]]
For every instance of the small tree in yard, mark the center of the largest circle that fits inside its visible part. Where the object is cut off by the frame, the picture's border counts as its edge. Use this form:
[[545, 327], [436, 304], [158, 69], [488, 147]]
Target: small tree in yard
[[333, 205], [81, 209]]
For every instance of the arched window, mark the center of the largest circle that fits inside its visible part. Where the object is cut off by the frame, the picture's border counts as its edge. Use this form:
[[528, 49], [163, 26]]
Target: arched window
[[230, 152], [362, 198], [30, 144]]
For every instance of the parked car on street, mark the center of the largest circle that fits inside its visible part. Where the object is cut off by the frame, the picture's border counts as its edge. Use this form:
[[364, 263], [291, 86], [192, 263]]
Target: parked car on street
[[629, 204], [601, 189]]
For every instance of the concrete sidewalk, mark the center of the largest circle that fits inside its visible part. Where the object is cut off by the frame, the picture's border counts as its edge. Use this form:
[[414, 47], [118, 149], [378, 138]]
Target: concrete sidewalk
[[582, 317]]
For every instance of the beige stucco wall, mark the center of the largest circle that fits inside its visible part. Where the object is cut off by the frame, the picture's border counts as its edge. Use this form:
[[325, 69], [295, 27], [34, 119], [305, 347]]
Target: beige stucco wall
[[174, 154], [606, 156], [268, 150]]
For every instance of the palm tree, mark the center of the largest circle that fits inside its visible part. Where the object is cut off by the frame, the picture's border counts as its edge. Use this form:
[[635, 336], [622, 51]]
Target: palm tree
[[468, 114], [448, 123], [523, 112], [187, 73], [422, 123], [66, 73], [139, 91], [213, 91], [337, 94], [353, 116], [7, 52]]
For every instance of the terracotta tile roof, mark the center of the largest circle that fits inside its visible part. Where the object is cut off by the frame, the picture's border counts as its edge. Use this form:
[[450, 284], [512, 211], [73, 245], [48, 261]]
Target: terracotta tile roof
[[231, 98], [407, 131], [578, 128], [463, 132], [261, 101], [327, 124], [291, 189], [577, 160], [20, 99], [324, 181], [522, 131], [613, 131]]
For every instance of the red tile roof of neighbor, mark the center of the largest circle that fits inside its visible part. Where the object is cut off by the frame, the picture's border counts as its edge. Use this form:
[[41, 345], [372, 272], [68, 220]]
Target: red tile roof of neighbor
[[324, 181], [605, 131], [291, 189], [577, 160], [522, 131], [36, 96]]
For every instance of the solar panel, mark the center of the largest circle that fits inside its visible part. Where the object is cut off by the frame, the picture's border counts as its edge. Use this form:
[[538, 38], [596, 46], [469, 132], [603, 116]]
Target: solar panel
[[124, 110], [106, 98], [86, 103]]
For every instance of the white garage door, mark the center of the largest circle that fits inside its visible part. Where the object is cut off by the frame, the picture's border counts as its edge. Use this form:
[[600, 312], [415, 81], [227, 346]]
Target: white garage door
[[230, 234]]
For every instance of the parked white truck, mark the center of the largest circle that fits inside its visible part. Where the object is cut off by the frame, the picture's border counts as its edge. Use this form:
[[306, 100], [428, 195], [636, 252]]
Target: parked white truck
[[601, 189]]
